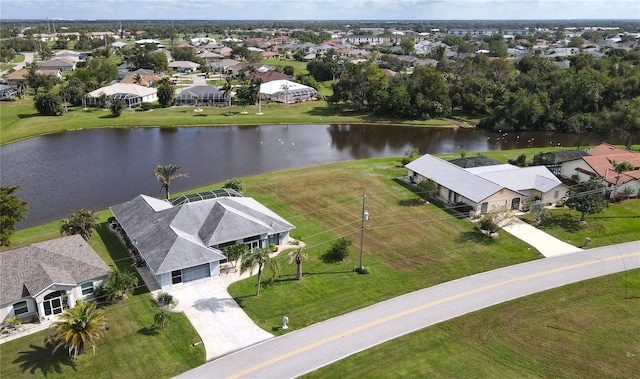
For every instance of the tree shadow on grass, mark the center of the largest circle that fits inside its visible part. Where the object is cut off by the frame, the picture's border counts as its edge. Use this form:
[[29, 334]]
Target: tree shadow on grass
[[563, 221], [411, 202], [30, 115], [476, 237], [44, 359], [149, 331]]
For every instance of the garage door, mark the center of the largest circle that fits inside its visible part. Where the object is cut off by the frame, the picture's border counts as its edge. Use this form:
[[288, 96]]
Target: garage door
[[195, 273]]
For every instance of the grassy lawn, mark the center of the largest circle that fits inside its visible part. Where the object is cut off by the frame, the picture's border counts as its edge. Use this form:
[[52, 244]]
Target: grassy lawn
[[131, 348], [583, 330], [407, 246], [19, 119], [619, 222], [298, 67]]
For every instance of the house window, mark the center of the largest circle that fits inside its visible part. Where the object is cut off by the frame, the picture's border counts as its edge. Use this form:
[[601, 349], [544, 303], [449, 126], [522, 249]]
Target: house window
[[484, 207], [87, 288], [176, 277], [556, 194], [20, 308]]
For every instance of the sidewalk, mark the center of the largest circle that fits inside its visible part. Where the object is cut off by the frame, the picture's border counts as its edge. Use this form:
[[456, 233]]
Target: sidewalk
[[547, 245]]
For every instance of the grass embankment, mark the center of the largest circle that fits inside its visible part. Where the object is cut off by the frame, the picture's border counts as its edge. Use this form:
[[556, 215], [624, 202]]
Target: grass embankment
[[19, 119], [583, 330]]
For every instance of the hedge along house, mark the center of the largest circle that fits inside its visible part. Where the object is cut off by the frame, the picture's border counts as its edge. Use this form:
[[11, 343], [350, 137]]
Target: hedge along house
[[487, 187], [184, 242], [44, 279]]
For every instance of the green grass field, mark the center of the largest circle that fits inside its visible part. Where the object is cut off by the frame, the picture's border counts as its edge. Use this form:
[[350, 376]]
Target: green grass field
[[407, 246], [583, 330], [19, 119]]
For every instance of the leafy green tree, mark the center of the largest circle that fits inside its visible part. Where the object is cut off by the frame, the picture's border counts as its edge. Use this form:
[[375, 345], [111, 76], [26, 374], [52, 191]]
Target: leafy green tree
[[82, 222], [288, 70], [587, 197], [103, 70], [166, 174], [340, 249], [235, 184], [79, 326], [117, 107], [166, 95], [298, 256], [257, 257], [623, 119], [12, 211], [407, 46], [427, 188]]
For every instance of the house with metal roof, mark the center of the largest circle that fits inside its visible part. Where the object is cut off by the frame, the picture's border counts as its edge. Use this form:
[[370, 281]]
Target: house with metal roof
[[184, 242], [43, 279], [487, 187]]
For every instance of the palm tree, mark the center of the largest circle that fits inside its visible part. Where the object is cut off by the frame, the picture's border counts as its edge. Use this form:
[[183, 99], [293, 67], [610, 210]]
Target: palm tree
[[137, 79], [286, 87], [78, 326], [256, 257], [161, 318], [620, 167], [82, 222], [226, 88], [121, 283], [297, 255], [166, 174]]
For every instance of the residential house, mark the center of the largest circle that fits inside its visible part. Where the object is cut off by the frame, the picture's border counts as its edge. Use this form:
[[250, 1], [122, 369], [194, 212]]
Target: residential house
[[286, 91], [62, 64], [17, 77], [132, 94], [184, 242], [600, 163], [144, 79], [9, 93], [487, 187], [43, 279], [184, 66], [203, 95], [553, 159]]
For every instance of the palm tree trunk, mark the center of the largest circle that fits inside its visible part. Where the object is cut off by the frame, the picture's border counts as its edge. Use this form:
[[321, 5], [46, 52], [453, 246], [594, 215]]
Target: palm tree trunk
[[259, 277], [299, 271]]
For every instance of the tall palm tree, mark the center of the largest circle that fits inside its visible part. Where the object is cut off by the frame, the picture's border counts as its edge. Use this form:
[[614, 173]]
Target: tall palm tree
[[81, 222], [297, 255], [620, 167], [257, 257], [166, 174], [226, 88], [78, 326]]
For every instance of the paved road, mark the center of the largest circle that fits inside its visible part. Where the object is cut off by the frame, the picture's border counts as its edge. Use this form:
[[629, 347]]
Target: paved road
[[28, 58], [307, 349]]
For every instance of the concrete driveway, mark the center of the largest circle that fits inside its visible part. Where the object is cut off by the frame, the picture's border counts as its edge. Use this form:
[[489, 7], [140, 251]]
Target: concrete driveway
[[221, 323], [547, 245]]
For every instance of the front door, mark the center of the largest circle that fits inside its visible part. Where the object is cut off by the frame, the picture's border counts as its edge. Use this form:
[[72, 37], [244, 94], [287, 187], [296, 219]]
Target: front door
[[515, 203], [53, 303]]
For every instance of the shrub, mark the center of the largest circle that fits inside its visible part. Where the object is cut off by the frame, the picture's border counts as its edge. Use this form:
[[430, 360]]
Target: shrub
[[235, 184], [363, 270], [273, 247], [167, 300], [146, 106], [117, 107], [340, 249]]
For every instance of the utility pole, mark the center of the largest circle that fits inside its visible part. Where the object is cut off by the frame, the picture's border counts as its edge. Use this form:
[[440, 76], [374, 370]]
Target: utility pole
[[365, 216]]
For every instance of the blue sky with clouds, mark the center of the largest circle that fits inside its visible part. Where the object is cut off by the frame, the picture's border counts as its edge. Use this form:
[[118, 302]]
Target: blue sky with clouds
[[321, 9]]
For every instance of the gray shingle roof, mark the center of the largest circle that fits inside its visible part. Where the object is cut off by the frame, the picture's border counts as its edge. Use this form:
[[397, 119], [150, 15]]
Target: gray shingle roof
[[28, 270], [173, 238], [519, 179], [453, 177]]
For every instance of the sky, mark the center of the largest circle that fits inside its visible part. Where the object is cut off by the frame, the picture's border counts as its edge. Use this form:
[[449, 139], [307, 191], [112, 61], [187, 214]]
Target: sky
[[320, 9]]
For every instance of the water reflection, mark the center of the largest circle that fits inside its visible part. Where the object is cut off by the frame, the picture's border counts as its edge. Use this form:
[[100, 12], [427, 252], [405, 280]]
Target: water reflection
[[94, 169]]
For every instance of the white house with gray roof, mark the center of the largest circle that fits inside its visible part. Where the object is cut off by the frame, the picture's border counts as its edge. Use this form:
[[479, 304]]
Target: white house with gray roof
[[487, 187], [43, 279], [183, 243]]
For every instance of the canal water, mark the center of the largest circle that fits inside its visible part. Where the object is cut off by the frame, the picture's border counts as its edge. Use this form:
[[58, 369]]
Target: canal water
[[94, 169]]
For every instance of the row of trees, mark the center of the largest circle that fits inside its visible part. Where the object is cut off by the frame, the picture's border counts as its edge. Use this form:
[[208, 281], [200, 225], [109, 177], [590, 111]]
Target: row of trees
[[531, 94]]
